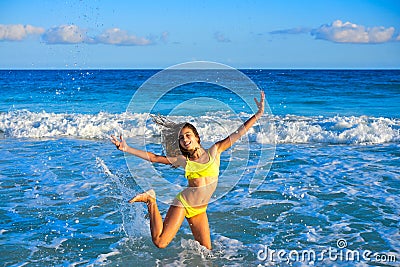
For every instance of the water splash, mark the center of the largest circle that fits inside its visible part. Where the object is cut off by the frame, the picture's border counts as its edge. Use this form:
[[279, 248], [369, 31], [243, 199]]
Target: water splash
[[134, 223]]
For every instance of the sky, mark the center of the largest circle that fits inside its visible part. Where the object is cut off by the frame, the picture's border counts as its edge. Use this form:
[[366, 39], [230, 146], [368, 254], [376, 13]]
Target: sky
[[285, 34]]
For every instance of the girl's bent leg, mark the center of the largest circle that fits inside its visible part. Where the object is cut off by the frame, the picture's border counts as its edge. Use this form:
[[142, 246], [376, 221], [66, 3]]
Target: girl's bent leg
[[162, 233]]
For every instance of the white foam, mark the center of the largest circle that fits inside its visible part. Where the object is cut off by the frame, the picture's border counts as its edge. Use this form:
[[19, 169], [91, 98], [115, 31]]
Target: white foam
[[287, 129], [194, 246], [56, 243], [336, 130], [42, 124], [103, 258]]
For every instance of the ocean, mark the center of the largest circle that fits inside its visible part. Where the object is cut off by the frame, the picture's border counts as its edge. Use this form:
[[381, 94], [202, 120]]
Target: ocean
[[327, 192]]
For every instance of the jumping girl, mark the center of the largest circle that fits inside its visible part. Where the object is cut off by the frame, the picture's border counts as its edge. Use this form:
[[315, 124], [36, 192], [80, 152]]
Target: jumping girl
[[201, 169]]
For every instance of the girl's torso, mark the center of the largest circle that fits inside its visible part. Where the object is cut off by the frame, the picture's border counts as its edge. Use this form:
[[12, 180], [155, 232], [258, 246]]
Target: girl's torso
[[203, 171]]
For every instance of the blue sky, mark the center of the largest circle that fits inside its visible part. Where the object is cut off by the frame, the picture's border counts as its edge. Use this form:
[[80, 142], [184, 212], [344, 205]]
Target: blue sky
[[157, 34]]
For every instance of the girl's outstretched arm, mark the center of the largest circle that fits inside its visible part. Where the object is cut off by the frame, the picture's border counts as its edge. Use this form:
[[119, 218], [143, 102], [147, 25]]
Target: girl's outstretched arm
[[231, 139], [149, 156]]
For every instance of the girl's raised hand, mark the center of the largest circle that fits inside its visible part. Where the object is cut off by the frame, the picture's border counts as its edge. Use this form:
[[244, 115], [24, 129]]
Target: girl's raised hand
[[120, 144], [260, 104]]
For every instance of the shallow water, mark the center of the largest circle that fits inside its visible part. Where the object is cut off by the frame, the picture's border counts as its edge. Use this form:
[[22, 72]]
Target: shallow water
[[334, 176]]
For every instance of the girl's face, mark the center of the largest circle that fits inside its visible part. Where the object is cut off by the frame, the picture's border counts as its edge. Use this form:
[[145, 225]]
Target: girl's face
[[188, 139]]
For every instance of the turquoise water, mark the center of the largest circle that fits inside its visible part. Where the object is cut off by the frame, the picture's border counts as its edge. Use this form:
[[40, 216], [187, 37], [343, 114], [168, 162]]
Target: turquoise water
[[334, 175]]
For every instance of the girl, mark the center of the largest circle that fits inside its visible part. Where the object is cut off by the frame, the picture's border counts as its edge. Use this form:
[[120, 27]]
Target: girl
[[201, 169]]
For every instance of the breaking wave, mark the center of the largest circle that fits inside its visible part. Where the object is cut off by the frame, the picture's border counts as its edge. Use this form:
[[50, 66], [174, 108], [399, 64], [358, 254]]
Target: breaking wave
[[289, 129]]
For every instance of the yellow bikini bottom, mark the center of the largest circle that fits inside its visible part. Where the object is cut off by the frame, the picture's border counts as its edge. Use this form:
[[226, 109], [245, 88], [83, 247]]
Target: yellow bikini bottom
[[190, 211]]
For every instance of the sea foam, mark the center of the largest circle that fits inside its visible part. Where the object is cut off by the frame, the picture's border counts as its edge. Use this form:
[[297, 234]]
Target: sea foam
[[289, 129]]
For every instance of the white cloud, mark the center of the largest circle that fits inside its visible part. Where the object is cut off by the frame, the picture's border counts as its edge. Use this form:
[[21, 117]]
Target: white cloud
[[65, 34], [220, 37], [18, 32], [347, 32], [298, 30], [164, 37], [117, 36], [72, 34]]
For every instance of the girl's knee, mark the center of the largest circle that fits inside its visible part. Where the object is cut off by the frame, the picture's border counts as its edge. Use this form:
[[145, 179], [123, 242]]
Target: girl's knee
[[160, 243]]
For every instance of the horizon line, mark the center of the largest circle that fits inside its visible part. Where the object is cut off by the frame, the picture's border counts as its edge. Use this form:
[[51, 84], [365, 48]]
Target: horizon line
[[245, 68]]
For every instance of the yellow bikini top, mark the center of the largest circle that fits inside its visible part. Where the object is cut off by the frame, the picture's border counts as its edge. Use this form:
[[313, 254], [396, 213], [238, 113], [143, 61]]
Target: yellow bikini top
[[197, 170]]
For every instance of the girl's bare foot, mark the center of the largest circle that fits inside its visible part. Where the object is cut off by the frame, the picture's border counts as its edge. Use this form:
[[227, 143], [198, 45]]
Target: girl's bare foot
[[147, 197]]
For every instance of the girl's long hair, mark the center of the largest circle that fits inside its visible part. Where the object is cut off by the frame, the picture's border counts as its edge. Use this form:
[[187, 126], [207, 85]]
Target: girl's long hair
[[170, 135]]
